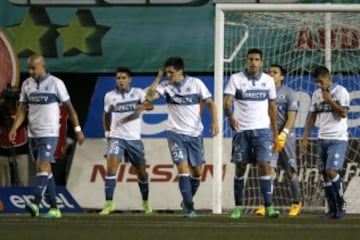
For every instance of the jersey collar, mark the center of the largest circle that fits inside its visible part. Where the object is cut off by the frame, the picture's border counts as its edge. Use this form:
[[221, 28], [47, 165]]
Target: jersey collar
[[332, 87], [41, 79], [253, 78]]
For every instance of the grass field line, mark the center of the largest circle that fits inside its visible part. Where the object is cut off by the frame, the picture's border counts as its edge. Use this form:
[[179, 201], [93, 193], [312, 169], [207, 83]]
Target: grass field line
[[174, 220]]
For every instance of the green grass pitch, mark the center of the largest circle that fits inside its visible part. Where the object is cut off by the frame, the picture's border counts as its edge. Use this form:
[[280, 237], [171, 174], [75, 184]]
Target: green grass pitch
[[173, 226]]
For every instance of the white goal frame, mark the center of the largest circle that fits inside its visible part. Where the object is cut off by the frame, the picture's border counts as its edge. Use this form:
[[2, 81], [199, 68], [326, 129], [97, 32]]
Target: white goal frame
[[219, 66]]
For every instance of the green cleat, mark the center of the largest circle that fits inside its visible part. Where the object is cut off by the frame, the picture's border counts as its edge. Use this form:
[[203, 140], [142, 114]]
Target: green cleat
[[236, 212], [52, 213], [147, 207], [108, 208], [271, 213], [33, 209]]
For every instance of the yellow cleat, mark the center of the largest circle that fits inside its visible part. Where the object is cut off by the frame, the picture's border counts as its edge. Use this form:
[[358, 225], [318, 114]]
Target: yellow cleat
[[295, 209], [260, 211], [108, 208], [147, 207]]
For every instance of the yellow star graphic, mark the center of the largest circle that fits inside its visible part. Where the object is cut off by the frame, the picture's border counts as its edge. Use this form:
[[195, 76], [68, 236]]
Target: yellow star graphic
[[28, 35], [82, 34]]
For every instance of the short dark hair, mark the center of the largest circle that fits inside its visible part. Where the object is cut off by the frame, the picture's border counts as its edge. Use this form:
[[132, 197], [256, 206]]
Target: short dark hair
[[124, 70], [176, 62], [320, 71], [254, 51], [282, 69]]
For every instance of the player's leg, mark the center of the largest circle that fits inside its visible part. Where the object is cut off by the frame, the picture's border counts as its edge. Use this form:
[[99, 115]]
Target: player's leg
[[273, 165], [43, 150], [262, 145], [241, 152], [195, 149], [289, 164], [334, 164], [135, 154], [322, 147], [180, 159], [115, 152]]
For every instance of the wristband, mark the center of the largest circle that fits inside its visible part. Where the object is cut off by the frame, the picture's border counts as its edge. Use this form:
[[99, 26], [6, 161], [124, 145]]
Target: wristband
[[286, 131], [107, 134], [77, 129]]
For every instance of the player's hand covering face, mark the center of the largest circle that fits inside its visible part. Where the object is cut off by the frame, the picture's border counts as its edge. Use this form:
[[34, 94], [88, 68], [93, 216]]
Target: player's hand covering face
[[174, 75]]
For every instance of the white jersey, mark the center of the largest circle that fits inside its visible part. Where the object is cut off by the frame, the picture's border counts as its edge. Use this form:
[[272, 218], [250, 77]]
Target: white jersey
[[121, 105], [251, 96], [331, 125], [43, 97], [183, 101]]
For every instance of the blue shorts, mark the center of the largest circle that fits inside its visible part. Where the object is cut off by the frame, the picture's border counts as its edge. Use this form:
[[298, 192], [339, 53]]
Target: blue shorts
[[184, 148], [331, 154], [252, 146], [287, 157], [128, 150], [43, 148]]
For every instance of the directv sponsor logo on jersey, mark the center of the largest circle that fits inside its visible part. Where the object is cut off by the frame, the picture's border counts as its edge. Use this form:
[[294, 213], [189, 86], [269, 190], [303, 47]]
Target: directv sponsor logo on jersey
[[183, 100], [124, 107], [324, 107], [254, 95], [41, 98]]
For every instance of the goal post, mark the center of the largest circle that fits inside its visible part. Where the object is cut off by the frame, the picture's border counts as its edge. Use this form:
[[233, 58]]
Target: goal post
[[299, 37]]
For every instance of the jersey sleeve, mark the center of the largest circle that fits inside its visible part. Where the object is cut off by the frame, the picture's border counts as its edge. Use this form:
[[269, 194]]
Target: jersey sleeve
[[106, 103], [161, 88], [142, 95], [313, 102], [23, 97], [344, 98], [293, 101], [230, 88], [204, 91], [272, 89], [62, 92]]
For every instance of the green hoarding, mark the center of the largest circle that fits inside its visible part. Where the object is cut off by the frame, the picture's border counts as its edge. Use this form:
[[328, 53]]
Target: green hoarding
[[85, 38], [97, 36]]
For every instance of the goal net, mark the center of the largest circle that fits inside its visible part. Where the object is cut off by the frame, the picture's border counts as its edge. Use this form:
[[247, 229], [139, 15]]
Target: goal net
[[299, 38]]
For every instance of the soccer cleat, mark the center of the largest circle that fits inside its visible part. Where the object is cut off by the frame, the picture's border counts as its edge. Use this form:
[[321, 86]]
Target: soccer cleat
[[340, 213], [33, 209], [147, 207], [52, 213], [271, 213], [108, 208], [329, 215], [260, 211], [191, 214], [295, 209], [236, 213]]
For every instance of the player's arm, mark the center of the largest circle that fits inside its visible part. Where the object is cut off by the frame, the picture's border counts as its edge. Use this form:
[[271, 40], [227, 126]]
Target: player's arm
[[19, 119], [75, 122], [273, 121], [151, 93], [228, 100], [338, 109], [291, 116], [308, 127], [214, 120], [145, 106]]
